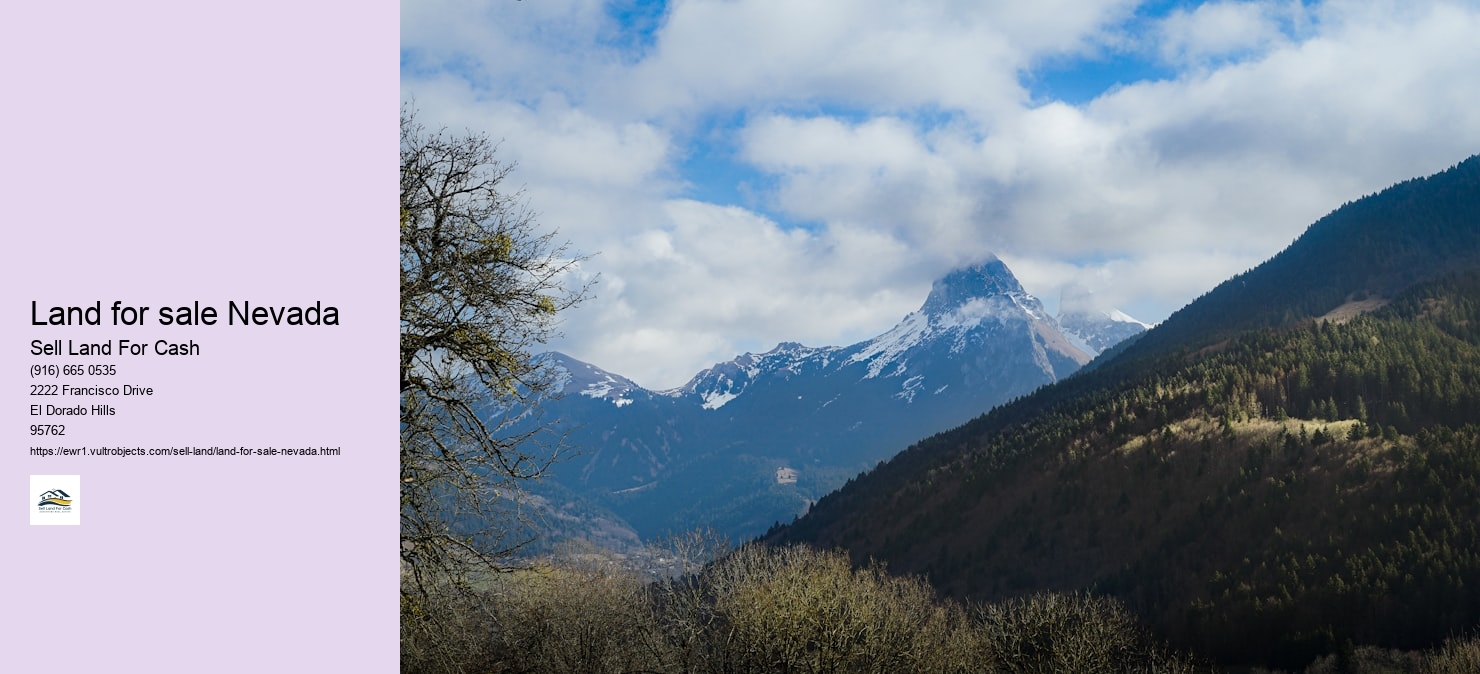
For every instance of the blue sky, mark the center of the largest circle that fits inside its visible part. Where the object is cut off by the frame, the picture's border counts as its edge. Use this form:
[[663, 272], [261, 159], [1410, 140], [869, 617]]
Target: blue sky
[[752, 171]]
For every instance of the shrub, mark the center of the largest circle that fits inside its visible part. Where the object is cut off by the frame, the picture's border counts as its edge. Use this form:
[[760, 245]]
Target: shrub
[[583, 616], [1457, 656], [794, 610]]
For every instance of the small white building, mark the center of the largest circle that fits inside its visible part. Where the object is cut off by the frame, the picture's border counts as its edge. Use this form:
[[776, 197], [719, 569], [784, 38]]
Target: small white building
[[786, 475]]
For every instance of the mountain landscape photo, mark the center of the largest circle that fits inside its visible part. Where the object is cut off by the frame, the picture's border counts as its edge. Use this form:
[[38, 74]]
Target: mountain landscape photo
[[834, 337]]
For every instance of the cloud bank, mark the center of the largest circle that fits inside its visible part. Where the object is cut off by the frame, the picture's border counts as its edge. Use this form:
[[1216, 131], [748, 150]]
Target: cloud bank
[[750, 171]]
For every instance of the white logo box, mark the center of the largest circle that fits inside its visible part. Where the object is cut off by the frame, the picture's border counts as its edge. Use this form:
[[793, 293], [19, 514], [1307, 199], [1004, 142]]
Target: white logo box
[[55, 499]]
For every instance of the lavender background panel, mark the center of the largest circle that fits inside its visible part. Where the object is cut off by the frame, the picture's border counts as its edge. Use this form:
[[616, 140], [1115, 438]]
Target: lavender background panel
[[162, 153]]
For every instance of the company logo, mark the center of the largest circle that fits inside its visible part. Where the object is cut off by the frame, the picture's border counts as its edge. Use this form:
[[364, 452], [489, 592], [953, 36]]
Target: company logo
[[54, 499]]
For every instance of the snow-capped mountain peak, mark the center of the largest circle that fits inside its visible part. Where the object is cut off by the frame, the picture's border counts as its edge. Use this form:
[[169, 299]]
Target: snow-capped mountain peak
[[961, 286], [1090, 324], [960, 304]]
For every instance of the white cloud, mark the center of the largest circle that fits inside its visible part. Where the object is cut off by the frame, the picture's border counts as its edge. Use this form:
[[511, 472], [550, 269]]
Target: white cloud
[[962, 55], [513, 51], [1218, 30], [784, 144], [902, 137], [712, 281]]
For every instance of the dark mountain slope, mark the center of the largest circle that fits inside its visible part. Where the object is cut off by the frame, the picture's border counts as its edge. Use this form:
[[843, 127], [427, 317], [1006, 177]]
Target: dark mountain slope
[[1260, 501]]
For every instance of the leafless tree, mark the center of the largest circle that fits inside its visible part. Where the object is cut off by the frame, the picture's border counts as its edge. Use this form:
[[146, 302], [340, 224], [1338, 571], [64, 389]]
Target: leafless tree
[[481, 289]]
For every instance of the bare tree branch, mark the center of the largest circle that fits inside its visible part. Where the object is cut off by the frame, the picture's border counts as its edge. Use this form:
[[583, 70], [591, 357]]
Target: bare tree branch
[[481, 288]]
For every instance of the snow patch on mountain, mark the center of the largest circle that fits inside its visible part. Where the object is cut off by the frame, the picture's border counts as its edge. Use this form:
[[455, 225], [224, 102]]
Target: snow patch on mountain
[[1094, 332], [714, 400], [909, 388], [887, 348], [1120, 317], [589, 380], [609, 387], [1078, 341], [1092, 325], [599, 389]]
